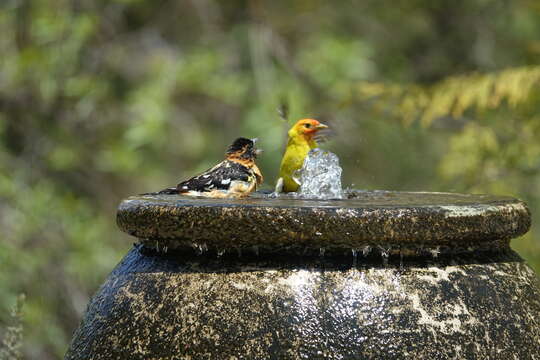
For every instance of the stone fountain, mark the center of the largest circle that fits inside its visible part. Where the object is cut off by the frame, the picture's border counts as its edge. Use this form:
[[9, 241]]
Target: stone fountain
[[380, 274]]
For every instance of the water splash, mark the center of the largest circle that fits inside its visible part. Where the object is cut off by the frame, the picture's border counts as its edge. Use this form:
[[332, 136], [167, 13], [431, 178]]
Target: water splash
[[320, 176], [220, 252], [321, 252]]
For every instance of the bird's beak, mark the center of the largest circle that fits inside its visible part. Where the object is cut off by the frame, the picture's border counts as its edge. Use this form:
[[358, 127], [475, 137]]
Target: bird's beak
[[254, 140], [321, 126], [259, 151]]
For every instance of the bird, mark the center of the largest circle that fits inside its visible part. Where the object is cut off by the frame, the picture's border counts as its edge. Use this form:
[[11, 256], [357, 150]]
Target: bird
[[301, 141], [235, 177]]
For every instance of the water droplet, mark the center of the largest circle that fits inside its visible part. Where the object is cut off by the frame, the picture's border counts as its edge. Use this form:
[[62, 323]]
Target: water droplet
[[435, 251], [297, 175], [354, 256], [318, 233], [366, 250], [385, 253], [199, 248]]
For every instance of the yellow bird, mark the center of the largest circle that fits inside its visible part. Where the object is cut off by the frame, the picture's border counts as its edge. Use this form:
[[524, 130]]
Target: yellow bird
[[301, 141]]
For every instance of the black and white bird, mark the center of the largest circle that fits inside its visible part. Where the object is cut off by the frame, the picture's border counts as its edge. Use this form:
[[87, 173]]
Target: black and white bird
[[235, 177]]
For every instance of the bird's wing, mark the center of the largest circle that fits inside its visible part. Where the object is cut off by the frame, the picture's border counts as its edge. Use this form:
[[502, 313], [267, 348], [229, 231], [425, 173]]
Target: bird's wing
[[217, 178]]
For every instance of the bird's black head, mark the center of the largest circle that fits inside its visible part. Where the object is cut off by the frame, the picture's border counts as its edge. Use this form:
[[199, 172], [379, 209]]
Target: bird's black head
[[243, 148]]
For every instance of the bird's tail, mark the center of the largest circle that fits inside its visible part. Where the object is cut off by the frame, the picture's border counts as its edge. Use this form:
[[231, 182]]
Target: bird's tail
[[167, 191]]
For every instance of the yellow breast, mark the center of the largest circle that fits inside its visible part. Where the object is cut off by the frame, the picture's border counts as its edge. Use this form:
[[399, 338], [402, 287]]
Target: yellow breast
[[293, 159]]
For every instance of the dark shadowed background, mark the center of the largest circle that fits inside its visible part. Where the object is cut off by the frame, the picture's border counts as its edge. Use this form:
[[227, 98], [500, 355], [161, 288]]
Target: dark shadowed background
[[102, 99]]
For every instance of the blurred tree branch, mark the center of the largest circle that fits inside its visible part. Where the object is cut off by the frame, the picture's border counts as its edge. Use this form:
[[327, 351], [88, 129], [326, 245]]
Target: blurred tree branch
[[452, 96]]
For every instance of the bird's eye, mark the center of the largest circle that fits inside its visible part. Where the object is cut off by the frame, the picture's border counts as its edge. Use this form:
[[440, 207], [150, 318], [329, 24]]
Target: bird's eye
[[307, 125]]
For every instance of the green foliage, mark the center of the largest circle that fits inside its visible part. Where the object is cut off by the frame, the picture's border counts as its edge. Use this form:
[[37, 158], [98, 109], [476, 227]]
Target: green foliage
[[11, 344], [100, 100], [454, 95]]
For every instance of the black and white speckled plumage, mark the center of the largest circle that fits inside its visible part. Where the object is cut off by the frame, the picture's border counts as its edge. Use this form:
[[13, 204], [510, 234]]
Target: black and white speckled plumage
[[236, 176], [220, 177]]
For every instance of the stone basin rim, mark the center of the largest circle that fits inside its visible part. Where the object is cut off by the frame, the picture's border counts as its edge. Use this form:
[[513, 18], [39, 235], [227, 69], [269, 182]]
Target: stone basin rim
[[260, 199], [381, 217]]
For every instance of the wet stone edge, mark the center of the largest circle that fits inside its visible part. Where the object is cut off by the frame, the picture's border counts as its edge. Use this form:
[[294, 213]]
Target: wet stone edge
[[231, 227]]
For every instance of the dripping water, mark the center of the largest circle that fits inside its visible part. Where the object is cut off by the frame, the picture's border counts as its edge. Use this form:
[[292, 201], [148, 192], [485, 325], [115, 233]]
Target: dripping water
[[200, 248], [385, 253], [435, 251], [400, 258], [354, 256], [366, 250]]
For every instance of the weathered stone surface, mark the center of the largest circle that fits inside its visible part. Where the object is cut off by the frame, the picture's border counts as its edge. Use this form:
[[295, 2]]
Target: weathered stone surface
[[392, 219], [288, 279], [157, 306]]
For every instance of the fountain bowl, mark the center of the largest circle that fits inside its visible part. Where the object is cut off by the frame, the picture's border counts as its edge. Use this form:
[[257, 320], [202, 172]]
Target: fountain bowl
[[377, 275]]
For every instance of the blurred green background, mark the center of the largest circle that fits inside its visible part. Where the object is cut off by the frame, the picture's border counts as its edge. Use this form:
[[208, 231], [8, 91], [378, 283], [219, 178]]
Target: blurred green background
[[102, 99]]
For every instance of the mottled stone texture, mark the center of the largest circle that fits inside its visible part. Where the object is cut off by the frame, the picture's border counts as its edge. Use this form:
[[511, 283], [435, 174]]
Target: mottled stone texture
[[287, 279], [370, 218], [157, 306]]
